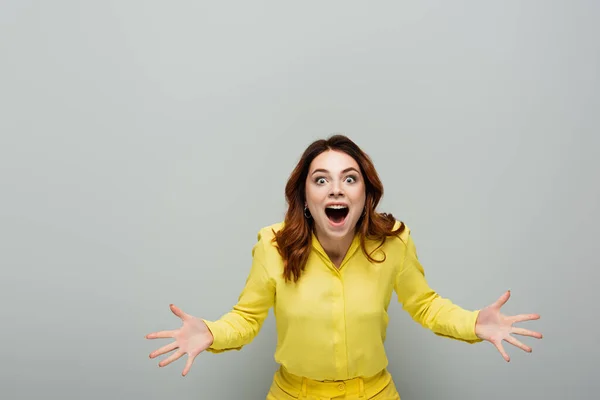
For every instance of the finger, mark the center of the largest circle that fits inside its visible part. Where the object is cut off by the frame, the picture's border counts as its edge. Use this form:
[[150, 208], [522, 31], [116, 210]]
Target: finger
[[188, 364], [163, 350], [526, 332], [517, 343], [502, 299], [177, 311], [502, 351], [524, 317], [161, 335], [171, 358]]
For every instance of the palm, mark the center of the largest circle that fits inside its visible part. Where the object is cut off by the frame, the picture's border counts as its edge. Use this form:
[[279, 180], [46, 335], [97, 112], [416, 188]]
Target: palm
[[495, 327], [192, 338]]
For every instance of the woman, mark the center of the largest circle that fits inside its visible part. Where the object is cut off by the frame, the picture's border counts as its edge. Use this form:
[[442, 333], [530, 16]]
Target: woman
[[329, 270]]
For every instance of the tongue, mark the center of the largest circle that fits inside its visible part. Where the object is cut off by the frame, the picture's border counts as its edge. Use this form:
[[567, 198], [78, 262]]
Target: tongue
[[336, 215]]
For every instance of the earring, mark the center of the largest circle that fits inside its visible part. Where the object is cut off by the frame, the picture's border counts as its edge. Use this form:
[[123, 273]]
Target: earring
[[306, 212]]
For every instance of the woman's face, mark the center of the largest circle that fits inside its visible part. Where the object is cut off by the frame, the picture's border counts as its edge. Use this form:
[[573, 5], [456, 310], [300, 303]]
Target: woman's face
[[335, 193]]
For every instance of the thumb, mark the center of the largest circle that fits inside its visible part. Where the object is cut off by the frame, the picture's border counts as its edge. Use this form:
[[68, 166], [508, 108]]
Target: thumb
[[502, 299], [177, 311]]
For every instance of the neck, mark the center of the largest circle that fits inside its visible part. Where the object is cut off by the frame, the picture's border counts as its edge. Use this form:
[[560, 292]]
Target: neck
[[336, 248]]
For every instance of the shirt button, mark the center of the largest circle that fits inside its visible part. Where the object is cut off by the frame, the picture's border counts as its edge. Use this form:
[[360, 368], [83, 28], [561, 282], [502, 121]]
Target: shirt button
[[341, 387]]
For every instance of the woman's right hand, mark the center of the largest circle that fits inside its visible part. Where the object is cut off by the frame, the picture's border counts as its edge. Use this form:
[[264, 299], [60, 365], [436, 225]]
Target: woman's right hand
[[192, 338]]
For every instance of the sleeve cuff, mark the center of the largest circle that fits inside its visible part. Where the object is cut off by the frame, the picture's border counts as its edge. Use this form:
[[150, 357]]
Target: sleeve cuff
[[469, 335], [219, 344], [465, 333]]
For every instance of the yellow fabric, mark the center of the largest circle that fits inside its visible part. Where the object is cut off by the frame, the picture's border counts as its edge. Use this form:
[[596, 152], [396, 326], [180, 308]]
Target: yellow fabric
[[331, 325], [289, 386]]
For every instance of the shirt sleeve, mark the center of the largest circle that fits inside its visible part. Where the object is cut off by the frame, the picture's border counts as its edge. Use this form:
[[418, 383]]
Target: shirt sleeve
[[240, 326], [427, 307]]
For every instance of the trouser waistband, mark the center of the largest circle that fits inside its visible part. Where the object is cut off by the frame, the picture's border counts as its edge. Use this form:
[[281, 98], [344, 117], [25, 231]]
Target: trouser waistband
[[302, 386]]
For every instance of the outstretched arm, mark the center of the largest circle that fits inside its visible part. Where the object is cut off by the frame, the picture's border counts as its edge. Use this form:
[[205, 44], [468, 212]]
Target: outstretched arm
[[233, 330], [444, 318], [240, 326], [426, 306]]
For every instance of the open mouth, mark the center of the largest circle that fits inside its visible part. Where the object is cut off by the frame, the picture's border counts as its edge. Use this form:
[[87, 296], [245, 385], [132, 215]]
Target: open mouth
[[336, 214]]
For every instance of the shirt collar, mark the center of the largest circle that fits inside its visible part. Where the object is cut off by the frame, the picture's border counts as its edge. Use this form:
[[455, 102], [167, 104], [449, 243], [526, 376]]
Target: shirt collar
[[351, 250]]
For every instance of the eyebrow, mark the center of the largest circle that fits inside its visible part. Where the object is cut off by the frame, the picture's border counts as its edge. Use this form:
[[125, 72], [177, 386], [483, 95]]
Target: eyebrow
[[343, 172]]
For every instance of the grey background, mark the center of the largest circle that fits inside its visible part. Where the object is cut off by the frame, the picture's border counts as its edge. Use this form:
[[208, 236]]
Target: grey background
[[144, 144]]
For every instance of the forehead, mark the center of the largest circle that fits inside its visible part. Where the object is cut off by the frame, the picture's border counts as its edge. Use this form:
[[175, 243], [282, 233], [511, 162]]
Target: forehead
[[333, 161]]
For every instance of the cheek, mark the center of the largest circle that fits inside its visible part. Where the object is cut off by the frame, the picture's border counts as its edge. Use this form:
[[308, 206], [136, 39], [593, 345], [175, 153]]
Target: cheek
[[312, 195], [358, 196]]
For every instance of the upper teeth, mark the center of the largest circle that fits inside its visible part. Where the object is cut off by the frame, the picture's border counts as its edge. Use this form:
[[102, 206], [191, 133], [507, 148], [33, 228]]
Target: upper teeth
[[337, 207]]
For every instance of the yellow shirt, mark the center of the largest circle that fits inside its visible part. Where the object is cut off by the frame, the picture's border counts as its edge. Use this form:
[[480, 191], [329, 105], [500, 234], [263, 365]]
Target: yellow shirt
[[331, 325]]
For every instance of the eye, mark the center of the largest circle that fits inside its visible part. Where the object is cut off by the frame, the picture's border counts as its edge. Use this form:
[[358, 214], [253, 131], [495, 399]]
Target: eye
[[351, 179], [320, 180]]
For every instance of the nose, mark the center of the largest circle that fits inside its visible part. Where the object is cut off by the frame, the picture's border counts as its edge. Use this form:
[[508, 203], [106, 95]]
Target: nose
[[336, 191]]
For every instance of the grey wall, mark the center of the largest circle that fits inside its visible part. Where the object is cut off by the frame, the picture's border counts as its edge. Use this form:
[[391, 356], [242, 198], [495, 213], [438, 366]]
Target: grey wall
[[145, 143]]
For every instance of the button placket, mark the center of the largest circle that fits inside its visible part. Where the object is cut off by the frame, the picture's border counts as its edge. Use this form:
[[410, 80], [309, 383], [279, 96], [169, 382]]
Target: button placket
[[339, 322]]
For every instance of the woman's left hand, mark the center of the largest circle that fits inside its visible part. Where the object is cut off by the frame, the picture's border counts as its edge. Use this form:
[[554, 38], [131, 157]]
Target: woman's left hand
[[495, 327]]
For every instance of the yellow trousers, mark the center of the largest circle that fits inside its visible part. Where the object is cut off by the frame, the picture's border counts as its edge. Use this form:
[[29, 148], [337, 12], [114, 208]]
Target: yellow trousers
[[287, 386]]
